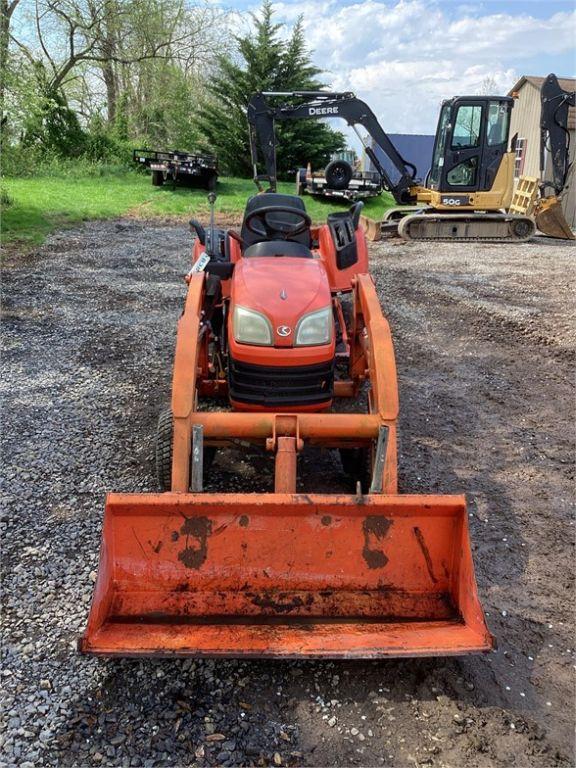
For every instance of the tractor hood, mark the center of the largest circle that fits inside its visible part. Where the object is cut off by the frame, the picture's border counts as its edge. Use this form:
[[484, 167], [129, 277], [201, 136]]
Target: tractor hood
[[281, 288]]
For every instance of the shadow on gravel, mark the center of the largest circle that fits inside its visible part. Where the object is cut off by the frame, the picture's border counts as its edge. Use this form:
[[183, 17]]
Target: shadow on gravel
[[234, 712]]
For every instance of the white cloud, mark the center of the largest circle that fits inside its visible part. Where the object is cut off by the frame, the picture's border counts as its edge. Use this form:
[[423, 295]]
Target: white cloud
[[404, 57]]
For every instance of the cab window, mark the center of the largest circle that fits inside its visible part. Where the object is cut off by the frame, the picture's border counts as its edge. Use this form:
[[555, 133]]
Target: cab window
[[467, 127], [498, 118], [438, 159], [463, 174]]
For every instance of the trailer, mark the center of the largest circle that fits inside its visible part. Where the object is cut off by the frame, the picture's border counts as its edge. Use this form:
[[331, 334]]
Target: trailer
[[189, 168], [338, 180]]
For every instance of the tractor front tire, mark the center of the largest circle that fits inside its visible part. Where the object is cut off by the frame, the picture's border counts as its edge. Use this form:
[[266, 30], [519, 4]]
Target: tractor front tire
[[357, 464], [164, 442], [164, 435], [157, 178]]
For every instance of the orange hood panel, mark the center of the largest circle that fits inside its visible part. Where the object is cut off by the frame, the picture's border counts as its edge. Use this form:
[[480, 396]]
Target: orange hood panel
[[284, 289]]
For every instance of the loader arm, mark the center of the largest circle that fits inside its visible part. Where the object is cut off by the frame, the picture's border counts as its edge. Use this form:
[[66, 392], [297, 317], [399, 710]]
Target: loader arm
[[323, 104]]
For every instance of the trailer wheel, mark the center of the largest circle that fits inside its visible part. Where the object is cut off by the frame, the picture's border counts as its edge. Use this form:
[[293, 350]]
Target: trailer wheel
[[157, 178], [300, 181], [338, 174], [164, 437], [211, 182]]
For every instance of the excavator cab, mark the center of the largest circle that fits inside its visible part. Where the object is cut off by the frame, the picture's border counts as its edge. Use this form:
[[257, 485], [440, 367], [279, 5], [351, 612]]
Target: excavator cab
[[470, 148]]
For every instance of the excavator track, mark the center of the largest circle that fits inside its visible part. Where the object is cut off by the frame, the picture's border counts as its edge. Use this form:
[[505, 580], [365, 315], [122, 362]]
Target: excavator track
[[460, 227]]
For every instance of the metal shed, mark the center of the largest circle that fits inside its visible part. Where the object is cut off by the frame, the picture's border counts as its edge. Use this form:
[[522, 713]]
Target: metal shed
[[525, 122]]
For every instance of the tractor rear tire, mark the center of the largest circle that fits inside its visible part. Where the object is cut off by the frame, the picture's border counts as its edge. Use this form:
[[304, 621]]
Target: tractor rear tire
[[338, 174], [157, 178], [164, 440]]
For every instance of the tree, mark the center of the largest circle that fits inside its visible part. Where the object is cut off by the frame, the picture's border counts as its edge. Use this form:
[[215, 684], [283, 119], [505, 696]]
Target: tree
[[488, 87], [268, 63], [7, 8], [127, 67]]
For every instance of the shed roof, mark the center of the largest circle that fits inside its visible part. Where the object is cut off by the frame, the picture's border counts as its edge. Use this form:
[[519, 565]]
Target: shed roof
[[567, 83]]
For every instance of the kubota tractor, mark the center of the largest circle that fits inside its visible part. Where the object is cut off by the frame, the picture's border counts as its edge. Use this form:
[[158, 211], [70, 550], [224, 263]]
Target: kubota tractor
[[283, 320]]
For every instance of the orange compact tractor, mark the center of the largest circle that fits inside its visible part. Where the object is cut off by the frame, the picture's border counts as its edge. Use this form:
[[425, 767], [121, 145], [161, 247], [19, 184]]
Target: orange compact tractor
[[283, 320]]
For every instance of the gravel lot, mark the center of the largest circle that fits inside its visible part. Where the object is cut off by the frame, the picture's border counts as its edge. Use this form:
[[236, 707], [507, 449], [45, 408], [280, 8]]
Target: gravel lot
[[485, 345]]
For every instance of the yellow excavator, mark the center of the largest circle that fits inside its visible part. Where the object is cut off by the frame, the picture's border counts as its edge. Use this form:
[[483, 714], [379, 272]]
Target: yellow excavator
[[496, 196], [469, 189]]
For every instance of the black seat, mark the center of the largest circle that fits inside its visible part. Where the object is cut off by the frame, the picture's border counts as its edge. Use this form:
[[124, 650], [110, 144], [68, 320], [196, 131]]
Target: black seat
[[278, 248], [275, 198]]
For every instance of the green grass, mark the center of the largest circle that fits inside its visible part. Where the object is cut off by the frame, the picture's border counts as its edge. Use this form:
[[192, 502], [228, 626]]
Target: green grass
[[38, 205]]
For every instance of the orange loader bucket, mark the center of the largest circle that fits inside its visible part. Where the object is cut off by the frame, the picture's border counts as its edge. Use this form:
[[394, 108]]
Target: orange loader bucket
[[285, 575]]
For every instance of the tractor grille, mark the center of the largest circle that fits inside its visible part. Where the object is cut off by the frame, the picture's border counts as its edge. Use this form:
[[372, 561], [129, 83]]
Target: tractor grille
[[274, 386]]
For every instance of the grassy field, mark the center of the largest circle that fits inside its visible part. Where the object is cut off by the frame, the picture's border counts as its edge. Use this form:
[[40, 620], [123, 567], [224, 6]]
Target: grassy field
[[39, 205]]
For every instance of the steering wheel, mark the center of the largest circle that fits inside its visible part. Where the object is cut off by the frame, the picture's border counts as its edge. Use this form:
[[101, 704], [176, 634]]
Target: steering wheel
[[261, 222]]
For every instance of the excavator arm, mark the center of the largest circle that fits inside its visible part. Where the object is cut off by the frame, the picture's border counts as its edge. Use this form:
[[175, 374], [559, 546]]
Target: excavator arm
[[323, 104], [555, 136], [555, 165]]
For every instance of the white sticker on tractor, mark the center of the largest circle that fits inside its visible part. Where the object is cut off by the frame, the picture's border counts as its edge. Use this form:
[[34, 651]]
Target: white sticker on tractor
[[200, 265]]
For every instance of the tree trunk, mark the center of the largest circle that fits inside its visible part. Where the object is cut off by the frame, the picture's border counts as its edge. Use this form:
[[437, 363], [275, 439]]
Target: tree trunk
[[111, 90], [109, 46], [6, 11]]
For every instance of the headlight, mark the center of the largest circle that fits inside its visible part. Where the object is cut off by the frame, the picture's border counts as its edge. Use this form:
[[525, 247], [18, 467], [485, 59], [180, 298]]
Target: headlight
[[315, 328], [251, 327]]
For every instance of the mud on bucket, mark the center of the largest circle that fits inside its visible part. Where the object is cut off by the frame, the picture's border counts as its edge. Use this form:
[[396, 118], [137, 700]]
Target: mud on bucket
[[285, 576]]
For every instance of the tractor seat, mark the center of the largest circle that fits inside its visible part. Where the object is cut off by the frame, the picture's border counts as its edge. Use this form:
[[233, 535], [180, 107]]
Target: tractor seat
[[278, 248], [275, 198]]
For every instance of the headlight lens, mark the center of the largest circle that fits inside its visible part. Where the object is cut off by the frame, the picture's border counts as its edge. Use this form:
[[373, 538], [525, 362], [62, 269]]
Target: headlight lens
[[315, 328], [251, 327]]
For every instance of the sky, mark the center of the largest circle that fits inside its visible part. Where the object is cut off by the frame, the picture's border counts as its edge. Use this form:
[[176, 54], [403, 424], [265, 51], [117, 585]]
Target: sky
[[403, 57]]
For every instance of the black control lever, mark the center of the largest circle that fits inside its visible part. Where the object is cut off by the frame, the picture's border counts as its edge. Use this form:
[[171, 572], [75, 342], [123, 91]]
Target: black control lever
[[211, 245]]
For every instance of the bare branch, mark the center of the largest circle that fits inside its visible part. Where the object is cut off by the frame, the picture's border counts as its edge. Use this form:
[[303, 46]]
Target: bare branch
[[41, 39]]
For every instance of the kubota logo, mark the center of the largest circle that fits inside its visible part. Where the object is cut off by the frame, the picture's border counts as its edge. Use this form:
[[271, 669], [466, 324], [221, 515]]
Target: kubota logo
[[284, 330]]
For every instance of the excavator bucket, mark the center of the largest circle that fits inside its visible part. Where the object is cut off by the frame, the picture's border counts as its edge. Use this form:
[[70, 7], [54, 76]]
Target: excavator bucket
[[551, 221], [285, 575]]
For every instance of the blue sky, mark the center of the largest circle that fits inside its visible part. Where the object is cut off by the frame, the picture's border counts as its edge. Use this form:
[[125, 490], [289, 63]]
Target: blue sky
[[405, 56]]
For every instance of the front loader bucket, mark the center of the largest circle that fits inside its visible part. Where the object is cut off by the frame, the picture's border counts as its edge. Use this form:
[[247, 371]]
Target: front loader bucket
[[285, 575], [551, 221]]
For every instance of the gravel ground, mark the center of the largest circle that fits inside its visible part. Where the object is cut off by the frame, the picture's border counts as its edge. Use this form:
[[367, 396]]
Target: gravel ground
[[485, 340]]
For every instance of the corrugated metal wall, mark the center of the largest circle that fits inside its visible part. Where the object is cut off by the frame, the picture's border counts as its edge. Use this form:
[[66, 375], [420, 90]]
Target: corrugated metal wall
[[526, 123]]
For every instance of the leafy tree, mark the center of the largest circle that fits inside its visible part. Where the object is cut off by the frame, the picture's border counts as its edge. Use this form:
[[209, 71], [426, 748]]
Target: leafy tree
[[52, 125], [149, 57], [269, 63]]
